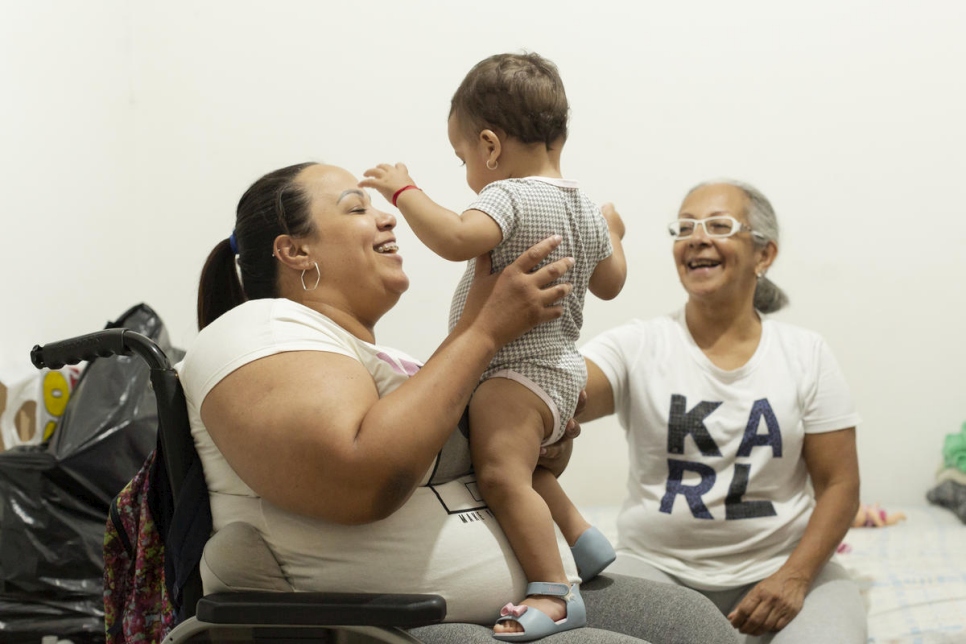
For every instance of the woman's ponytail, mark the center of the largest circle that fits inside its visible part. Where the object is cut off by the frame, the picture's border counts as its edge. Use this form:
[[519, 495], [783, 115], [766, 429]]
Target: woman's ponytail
[[768, 297], [219, 289]]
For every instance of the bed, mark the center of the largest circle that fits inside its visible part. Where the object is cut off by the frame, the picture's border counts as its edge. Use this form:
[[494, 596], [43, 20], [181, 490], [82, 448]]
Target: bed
[[912, 575]]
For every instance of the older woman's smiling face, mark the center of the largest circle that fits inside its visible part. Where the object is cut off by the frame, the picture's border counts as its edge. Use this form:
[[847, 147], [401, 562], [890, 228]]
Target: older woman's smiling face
[[716, 267]]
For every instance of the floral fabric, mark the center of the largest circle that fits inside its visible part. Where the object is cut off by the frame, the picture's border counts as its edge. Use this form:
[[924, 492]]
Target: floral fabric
[[136, 603]]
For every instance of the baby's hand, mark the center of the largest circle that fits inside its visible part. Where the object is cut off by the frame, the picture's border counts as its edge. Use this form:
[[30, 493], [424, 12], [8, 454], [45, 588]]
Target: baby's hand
[[613, 218], [387, 179]]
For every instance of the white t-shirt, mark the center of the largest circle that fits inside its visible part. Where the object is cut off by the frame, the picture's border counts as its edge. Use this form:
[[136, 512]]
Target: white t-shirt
[[444, 540], [718, 492]]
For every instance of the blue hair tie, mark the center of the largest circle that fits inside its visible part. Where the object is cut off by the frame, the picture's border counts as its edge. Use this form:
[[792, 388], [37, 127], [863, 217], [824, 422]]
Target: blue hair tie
[[233, 243]]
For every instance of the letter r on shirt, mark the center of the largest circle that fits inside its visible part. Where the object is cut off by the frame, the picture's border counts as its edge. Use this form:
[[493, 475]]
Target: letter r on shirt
[[693, 493]]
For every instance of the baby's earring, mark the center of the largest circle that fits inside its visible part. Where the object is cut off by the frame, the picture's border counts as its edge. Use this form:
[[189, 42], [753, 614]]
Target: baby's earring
[[496, 164]]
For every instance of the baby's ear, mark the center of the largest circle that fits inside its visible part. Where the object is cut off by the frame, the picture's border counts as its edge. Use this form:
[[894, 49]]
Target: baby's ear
[[490, 138]]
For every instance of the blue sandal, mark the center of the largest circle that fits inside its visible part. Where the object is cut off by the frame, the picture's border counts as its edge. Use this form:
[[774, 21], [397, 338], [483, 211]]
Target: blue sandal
[[535, 622], [592, 553]]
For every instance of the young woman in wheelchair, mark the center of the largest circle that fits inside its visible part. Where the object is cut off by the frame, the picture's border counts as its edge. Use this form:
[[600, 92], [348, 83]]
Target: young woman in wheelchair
[[350, 458]]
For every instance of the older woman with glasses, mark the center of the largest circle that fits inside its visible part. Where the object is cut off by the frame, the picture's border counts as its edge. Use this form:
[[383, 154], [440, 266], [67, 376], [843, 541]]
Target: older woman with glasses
[[743, 471]]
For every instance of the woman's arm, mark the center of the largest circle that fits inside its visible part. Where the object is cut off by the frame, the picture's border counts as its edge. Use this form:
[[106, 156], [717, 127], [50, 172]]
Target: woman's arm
[[450, 235], [600, 395], [308, 431], [833, 467]]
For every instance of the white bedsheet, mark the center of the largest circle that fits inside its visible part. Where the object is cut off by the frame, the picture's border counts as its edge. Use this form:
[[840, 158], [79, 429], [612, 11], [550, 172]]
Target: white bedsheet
[[912, 575]]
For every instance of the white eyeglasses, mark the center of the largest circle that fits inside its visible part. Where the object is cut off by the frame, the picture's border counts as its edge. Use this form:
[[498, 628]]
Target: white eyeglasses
[[718, 227]]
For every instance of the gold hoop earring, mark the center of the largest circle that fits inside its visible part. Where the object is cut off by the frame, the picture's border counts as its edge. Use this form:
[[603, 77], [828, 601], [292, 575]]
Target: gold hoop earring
[[318, 278], [496, 164]]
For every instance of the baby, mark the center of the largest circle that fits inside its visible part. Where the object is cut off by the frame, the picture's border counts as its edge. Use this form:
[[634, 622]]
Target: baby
[[507, 125]]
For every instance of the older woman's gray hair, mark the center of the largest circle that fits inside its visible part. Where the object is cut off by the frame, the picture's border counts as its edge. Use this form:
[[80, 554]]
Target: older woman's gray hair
[[761, 217]]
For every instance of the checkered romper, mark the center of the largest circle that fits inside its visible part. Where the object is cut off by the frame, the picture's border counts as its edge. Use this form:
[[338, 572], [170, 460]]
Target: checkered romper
[[527, 211]]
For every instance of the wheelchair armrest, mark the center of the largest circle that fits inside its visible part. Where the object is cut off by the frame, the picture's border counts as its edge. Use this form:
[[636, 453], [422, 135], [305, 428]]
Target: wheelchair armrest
[[322, 609]]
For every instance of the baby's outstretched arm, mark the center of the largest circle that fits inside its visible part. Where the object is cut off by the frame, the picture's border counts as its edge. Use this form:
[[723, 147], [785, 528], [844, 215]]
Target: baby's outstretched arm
[[449, 235], [608, 277]]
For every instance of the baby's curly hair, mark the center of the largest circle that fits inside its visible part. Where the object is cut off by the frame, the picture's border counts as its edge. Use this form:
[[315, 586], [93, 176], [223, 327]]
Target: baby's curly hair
[[520, 94]]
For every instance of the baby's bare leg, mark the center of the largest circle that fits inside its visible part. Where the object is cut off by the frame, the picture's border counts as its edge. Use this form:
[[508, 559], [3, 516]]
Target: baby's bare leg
[[565, 514], [507, 424]]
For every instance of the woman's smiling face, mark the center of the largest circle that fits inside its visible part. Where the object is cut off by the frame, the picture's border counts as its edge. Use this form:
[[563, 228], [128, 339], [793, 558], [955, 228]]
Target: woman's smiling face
[[717, 267], [354, 243]]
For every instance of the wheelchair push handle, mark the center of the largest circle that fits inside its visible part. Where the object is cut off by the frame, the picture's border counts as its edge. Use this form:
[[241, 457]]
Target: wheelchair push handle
[[100, 344]]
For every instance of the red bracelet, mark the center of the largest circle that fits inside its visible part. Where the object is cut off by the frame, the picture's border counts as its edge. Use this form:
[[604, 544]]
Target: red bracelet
[[396, 194]]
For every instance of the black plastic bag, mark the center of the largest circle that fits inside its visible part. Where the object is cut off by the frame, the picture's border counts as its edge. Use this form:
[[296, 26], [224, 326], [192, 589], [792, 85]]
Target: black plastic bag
[[54, 497]]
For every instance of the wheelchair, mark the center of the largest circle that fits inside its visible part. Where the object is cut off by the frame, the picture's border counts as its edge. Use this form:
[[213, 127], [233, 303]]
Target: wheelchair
[[276, 615]]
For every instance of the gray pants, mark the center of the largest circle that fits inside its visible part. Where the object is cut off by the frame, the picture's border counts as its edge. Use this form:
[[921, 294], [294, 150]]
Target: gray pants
[[620, 610], [833, 611]]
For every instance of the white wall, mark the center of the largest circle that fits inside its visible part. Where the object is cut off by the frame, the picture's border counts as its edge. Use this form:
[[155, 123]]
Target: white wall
[[65, 145], [129, 130]]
